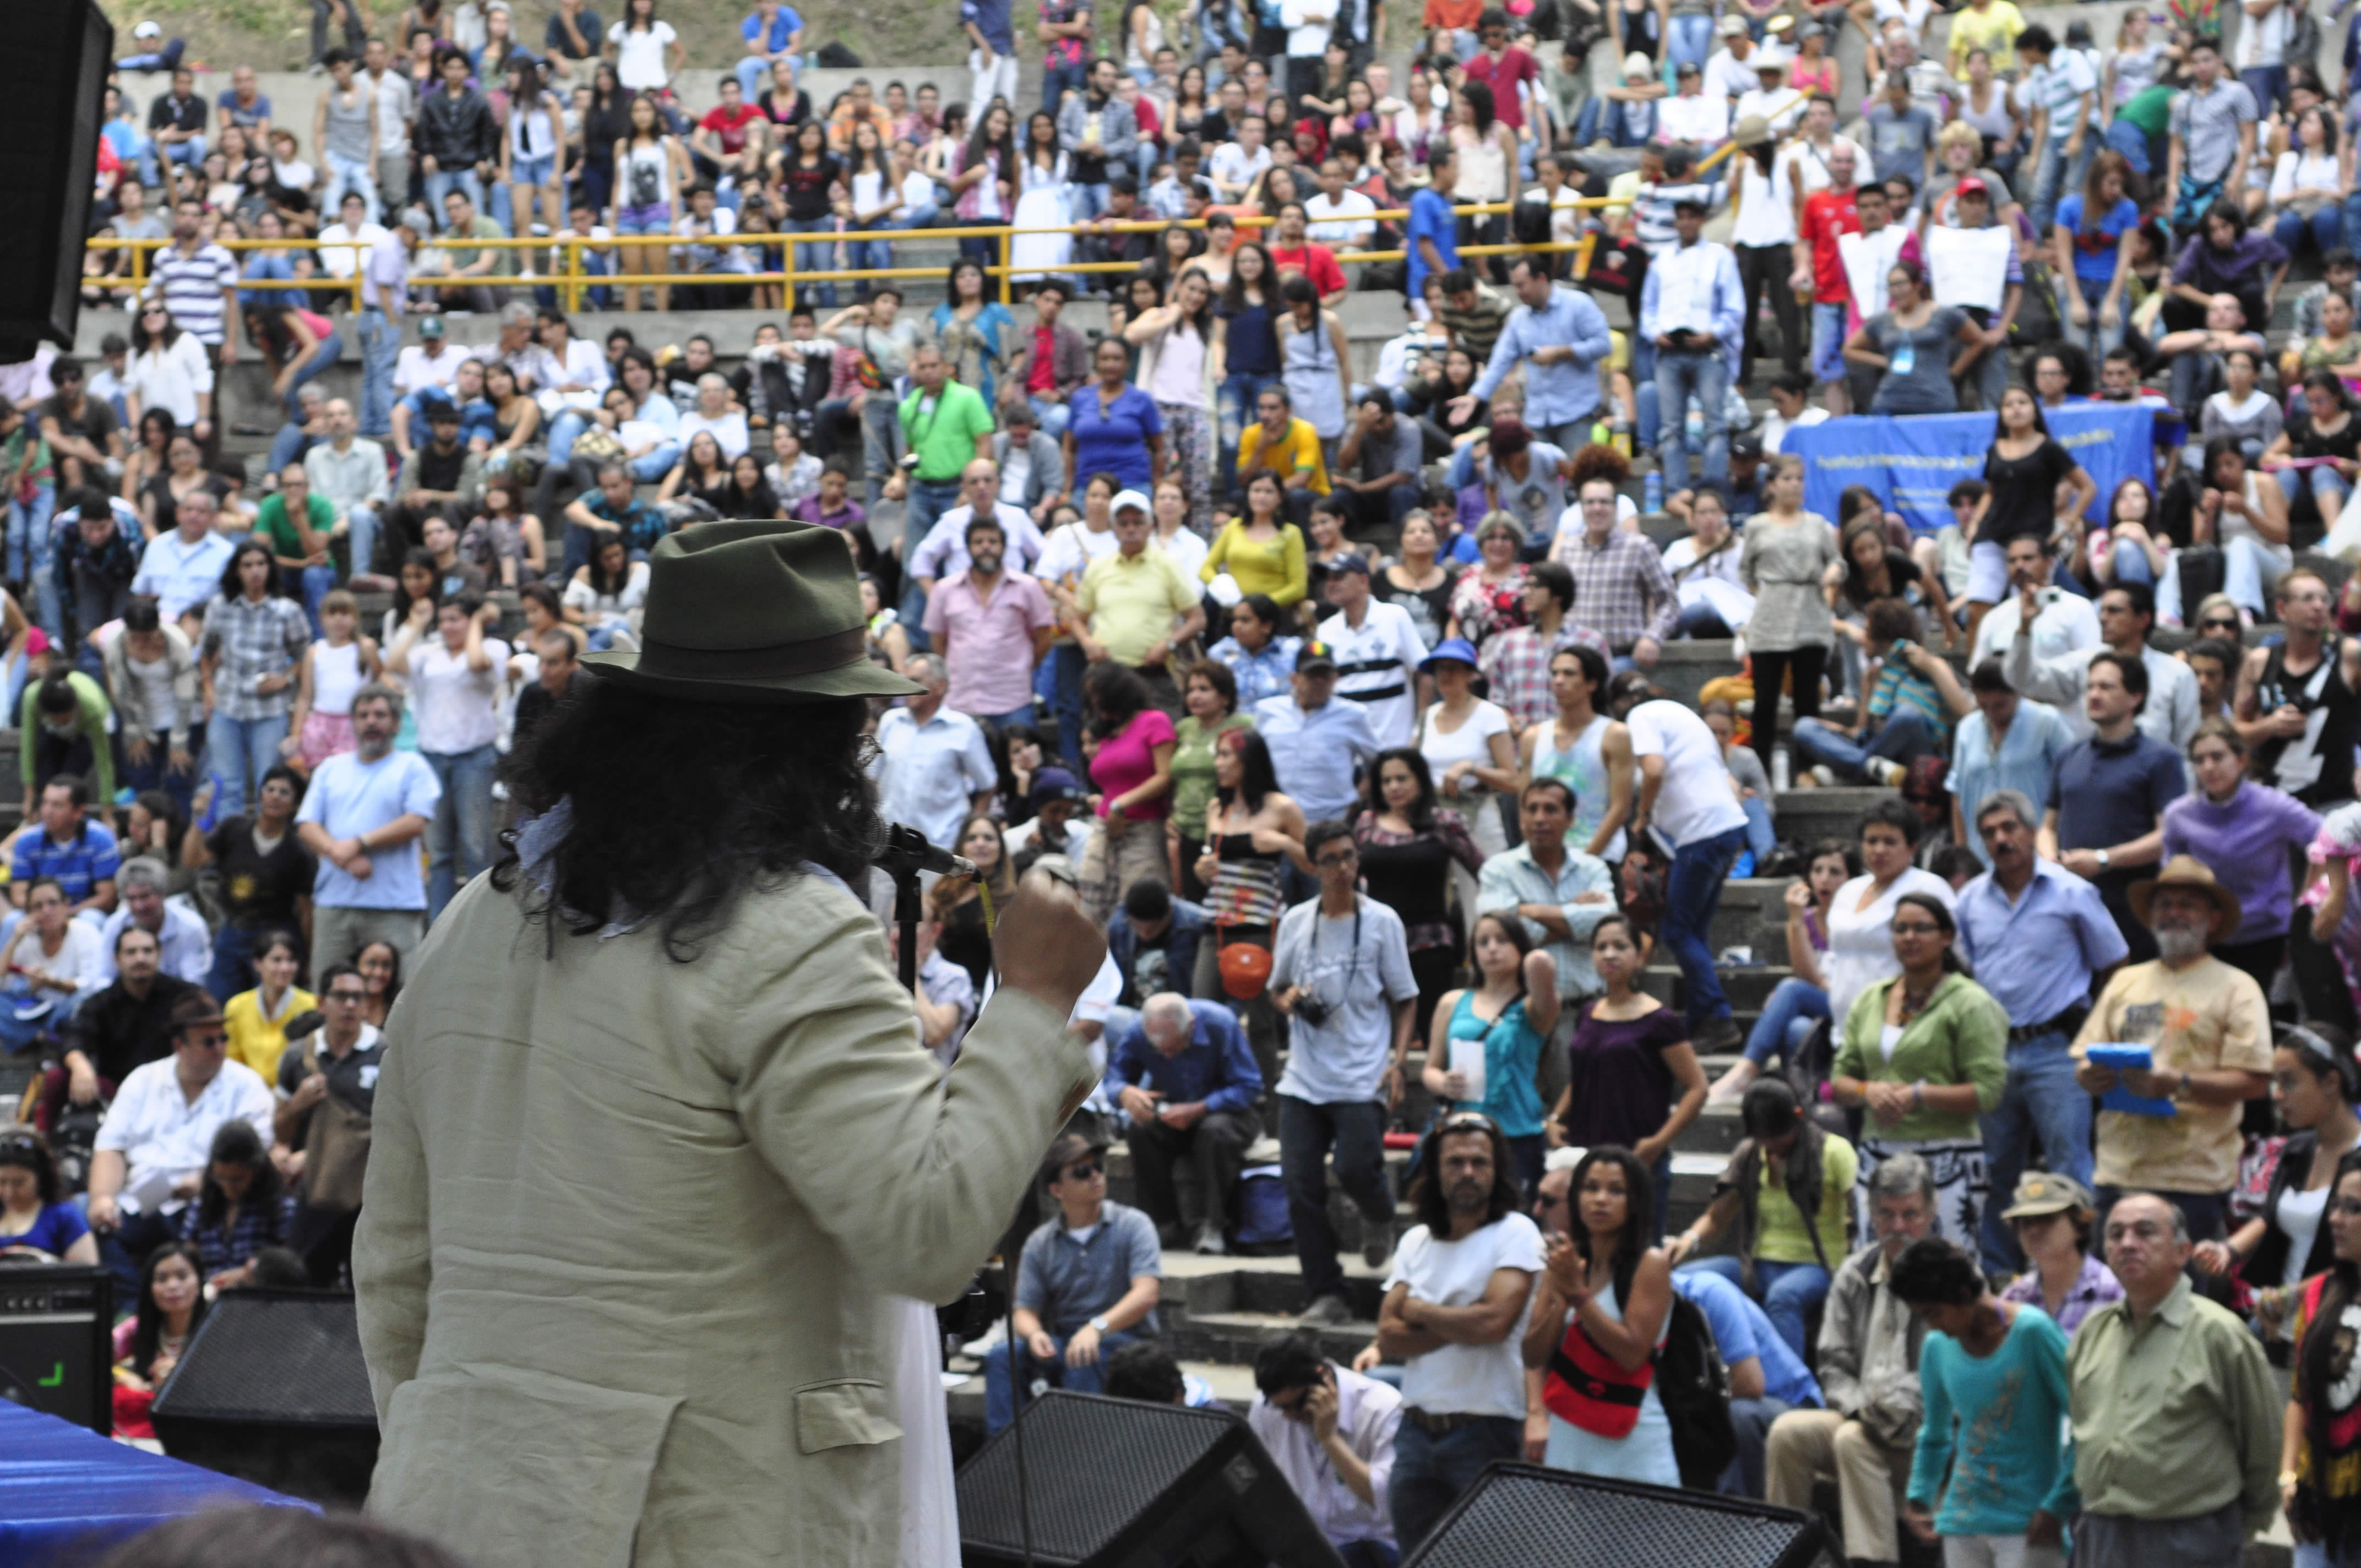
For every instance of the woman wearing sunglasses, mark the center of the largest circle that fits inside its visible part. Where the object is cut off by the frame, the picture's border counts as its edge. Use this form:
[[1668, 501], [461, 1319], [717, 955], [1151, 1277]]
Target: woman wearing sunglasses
[[1924, 1053]]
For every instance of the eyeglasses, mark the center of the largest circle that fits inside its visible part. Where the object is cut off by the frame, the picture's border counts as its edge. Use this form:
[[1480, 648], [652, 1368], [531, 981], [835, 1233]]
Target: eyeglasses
[[1335, 862], [2219, 623], [1085, 1171]]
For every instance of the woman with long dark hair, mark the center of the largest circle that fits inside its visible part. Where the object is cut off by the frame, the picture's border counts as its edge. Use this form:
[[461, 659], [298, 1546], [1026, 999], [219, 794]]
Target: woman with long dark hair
[[1787, 1191], [241, 1208], [647, 53], [533, 152], [1603, 1303], [1924, 1054], [1629, 1057], [256, 1019], [2321, 1450], [260, 637], [381, 966], [652, 178], [1487, 164], [1210, 694], [983, 183], [1483, 1044], [2315, 1082], [36, 1225], [1132, 771], [151, 1342], [955, 904], [1175, 363], [1407, 851], [2023, 469], [2324, 433], [169, 370], [1252, 832], [1246, 348], [974, 331], [1041, 202], [604, 123], [1764, 240]]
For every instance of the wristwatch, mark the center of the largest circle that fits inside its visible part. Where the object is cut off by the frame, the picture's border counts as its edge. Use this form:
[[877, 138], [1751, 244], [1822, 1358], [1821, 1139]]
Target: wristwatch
[[2102, 859], [1100, 1324]]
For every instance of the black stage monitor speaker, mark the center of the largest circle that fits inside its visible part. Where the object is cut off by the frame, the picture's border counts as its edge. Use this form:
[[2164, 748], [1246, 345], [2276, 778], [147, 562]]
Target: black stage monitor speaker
[[1522, 1513], [272, 1390], [56, 1353], [52, 75], [1118, 1484]]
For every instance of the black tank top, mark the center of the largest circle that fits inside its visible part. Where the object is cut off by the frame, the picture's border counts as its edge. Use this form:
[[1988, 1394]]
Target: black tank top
[[2316, 767]]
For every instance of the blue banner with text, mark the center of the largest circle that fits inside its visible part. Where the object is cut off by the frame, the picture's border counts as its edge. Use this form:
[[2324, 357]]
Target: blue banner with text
[[1913, 462]]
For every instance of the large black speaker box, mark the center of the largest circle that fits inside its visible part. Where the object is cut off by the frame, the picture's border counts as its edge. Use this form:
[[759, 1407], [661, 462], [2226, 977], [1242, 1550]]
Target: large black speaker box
[[56, 1349], [272, 1390], [1522, 1513], [1118, 1484], [52, 75]]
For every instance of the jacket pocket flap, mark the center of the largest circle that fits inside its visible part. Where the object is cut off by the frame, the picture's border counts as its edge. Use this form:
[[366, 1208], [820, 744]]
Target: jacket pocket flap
[[840, 1414], [521, 1466]]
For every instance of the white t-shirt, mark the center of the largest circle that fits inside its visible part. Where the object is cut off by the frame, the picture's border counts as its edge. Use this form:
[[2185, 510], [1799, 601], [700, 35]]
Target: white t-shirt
[[1467, 1379], [1775, 429], [156, 693], [2263, 41], [1232, 165], [1335, 223], [338, 257], [459, 708], [1861, 947], [1471, 742], [639, 58], [728, 432], [1696, 801], [415, 368]]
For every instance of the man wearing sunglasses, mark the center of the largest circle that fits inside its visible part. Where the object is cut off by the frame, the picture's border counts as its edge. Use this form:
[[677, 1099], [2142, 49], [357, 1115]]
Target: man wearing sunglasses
[[1087, 1285], [159, 1136]]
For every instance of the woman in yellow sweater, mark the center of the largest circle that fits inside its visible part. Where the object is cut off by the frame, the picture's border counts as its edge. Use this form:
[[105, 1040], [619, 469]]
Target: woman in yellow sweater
[[1262, 552], [256, 1019]]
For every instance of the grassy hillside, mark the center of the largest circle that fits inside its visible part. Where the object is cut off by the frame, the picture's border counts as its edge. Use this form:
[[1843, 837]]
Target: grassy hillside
[[274, 35]]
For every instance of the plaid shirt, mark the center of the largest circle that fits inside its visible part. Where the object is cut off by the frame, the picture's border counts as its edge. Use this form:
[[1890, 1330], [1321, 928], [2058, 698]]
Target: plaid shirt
[[1270, 673], [1621, 588], [1516, 662], [253, 640], [224, 1247]]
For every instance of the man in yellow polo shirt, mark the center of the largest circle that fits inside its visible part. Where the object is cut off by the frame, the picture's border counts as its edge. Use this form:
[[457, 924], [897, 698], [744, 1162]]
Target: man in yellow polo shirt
[[1288, 447], [1139, 602]]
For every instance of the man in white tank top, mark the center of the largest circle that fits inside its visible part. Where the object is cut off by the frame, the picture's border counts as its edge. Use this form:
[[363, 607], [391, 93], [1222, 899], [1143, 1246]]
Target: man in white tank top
[[1590, 752]]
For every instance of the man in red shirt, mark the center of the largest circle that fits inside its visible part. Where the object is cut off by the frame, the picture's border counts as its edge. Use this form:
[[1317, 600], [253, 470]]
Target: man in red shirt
[[1291, 252], [1502, 66], [720, 138], [1819, 268], [1056, 360]]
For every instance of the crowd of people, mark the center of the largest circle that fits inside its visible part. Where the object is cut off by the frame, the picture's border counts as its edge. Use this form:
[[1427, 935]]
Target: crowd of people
[[1338, 701]]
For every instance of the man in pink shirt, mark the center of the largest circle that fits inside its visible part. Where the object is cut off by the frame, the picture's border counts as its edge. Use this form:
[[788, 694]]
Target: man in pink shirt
[[992, 628], [1502, 67]]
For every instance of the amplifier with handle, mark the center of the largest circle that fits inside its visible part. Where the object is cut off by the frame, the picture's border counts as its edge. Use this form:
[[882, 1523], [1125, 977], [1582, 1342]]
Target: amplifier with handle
[[272, 1390], [56, 1350]]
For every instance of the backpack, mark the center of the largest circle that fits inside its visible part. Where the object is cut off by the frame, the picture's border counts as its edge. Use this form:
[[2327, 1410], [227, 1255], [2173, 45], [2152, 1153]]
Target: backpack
[[1695, 1388]]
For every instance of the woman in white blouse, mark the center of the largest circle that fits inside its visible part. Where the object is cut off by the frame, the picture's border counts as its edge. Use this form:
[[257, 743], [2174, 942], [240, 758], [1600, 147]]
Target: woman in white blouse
[[2307, 187], [1861, 941], [714, 413], [169, 370], [1470, 747], [53, 960]]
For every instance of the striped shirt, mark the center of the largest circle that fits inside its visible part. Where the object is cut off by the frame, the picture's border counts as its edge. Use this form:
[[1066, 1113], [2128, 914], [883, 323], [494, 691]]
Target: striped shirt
[[190, 284], [1898, 686]]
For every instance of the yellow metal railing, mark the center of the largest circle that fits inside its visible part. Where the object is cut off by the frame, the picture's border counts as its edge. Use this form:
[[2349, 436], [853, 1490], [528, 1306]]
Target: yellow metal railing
[[571, 279]]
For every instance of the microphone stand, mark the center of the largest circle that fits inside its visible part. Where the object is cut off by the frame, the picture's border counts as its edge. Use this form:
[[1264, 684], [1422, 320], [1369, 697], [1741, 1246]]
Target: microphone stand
[[906, 854]]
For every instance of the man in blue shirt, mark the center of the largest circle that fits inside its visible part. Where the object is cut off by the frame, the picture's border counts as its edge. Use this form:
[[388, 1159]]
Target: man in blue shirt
[[1432, 237], [1153, 938], [1561, 337], [1766, 1378], [772, 33], [2039, 937], [2032, 737], [1187, 1085], [1316, 743], [2104, 820], [615, 509], [81, 854], [1693, 310]]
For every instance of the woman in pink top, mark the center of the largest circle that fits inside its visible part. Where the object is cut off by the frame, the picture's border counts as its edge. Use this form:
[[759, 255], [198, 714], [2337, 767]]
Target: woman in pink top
[[1812, 71], [1132, 767]]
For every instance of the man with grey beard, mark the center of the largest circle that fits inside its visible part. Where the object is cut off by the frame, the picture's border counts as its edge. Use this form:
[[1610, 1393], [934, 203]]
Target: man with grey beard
[[2208, 1038]]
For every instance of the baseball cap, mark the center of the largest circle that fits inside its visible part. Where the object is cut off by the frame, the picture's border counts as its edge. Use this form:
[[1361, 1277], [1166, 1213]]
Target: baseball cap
[[416, 220], [1127, 498], [1068, 1148], [147, 30], [1350, 561], [1973, 186], [2040, 1192], [1730, 27], [1746, 443], [1054, 783], [431, 328], [1316, 655], [1638, 64]]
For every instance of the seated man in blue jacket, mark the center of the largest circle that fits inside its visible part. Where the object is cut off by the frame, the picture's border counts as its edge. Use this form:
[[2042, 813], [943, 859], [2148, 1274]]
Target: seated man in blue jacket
[[1153, 940], [1186, 1083]]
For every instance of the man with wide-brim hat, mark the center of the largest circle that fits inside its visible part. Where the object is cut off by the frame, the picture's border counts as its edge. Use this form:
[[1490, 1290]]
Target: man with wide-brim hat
[[656, 1150], [2207, 1031]]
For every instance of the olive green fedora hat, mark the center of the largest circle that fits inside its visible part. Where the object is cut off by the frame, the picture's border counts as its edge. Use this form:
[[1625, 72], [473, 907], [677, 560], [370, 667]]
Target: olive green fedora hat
[[752, 612]]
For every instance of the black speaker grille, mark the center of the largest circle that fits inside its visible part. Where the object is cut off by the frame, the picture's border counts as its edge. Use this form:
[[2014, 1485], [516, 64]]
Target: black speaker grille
[[1572, 1521], [261, 1356], [1091, 1467]]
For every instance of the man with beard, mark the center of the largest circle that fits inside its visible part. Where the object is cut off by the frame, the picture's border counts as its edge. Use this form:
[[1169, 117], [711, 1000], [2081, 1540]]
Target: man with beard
[[2208, 1038], [1454, 1312], [362, 817]]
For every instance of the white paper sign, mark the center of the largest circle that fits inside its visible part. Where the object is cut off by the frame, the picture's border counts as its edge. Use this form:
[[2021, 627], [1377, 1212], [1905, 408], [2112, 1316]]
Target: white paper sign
[[1968, 267], [1868, 257], [1467, 1062]]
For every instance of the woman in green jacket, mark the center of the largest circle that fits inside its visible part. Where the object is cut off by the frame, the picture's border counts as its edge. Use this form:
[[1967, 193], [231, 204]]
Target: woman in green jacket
[[1924, 1055]]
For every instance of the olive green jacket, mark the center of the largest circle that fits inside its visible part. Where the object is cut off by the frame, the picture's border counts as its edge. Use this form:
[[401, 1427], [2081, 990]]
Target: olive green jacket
[[629, 1225], [1962, 1038]]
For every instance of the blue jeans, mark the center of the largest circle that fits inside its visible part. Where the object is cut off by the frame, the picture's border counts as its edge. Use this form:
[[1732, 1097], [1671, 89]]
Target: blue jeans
[[380, 342], [2127, 138], [442, 182], [1761, 834], [754, 72], [331, 349], [1786, 1021], [32, 548], [1433, 1472], [1690, 38], [1058, 79], [868, 255], [1790, 1290], [562, 433], [649, 466], [1085, 201], [1234, 408], [2098, 339], [191, 152], [464, 822], [2326, 485], [2267, 83], [1052, 414], [1058, 682], [1000, 1388], [236, 747], [2041, 1101], [157, 772], [1306, 1134], [2058, 175], [318, 583], [1749, 1423], [233, 970], [1690, 899], [815, 255], [288, 446], [1678, 374], [1901, 739], [2131, 564], [929, 498], [364, 536], [2326, 227], [349, 174]]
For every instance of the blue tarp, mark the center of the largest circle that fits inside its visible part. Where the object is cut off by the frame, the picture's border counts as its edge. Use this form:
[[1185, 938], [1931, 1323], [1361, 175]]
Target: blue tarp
[[66, 1490], [1915, 461]]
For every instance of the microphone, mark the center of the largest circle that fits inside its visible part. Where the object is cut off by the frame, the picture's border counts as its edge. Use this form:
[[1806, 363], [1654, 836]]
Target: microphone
[[908, 851]]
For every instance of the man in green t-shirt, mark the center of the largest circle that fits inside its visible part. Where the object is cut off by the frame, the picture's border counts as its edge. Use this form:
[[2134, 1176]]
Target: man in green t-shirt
[[946, 427], [296, 524]]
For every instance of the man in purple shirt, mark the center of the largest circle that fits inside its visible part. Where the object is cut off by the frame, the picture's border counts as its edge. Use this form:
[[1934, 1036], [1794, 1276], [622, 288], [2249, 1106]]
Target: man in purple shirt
[[992, 628]]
